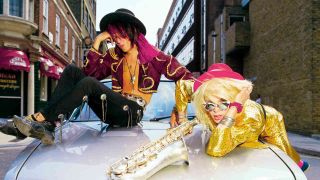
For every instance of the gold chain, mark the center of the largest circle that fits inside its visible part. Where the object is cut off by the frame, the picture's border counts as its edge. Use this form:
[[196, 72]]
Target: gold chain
[[132, 75]]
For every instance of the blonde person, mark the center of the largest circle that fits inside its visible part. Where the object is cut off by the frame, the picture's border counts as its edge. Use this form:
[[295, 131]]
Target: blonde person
[[222, 100]]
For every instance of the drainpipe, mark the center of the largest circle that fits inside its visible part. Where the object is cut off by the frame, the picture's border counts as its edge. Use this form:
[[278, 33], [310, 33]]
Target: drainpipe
[[222, 39], [214, 35]]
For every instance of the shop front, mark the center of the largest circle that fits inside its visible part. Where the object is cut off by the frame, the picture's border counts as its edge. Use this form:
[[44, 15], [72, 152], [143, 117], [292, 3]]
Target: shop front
[[49, 75], [13, 67], [50, 69]]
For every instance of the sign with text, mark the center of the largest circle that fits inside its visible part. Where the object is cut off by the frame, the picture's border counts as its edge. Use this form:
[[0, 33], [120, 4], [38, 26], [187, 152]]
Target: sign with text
[[10, 83]]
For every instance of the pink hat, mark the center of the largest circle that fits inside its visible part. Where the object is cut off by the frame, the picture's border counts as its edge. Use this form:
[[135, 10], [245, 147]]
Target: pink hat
[[218, 70]]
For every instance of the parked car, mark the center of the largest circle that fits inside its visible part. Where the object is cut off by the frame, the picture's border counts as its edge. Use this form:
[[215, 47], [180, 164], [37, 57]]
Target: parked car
[[89, 147]]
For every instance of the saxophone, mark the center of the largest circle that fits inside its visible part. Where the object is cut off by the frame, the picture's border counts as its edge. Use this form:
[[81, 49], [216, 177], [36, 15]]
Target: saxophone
[[152, 157]]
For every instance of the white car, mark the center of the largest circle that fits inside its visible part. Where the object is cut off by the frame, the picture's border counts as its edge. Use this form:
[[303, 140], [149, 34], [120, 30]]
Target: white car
[[89, 148]]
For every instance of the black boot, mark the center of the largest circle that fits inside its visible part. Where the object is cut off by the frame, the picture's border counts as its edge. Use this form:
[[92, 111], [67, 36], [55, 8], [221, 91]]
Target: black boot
[[7, 127], [39, 130]]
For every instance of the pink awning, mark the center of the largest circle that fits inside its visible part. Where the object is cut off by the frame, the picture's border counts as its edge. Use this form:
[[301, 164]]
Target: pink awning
[[12, 59], [49, 69]]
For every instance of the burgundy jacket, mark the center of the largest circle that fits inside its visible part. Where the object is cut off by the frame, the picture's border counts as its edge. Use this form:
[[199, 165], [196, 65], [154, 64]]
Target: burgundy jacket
[[101, 66]]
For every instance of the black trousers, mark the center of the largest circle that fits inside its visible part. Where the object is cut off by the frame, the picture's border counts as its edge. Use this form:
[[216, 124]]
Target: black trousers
[[74, 85]]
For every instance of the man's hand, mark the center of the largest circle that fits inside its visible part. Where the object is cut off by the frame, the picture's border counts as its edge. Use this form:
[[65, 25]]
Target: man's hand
[[104, 36]]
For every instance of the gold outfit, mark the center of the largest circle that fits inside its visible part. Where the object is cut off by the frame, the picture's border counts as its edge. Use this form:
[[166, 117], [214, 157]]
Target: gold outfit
[[183, 94], [251, 125]]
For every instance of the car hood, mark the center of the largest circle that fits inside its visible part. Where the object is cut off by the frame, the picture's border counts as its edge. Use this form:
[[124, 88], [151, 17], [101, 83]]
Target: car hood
[[85, 153]]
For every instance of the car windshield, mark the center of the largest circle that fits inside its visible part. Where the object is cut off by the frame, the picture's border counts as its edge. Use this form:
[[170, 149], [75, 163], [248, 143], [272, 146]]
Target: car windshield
[[160, 105]]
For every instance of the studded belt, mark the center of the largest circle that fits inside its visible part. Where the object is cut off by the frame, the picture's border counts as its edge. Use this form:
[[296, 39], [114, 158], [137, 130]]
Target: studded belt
[[139, 100]]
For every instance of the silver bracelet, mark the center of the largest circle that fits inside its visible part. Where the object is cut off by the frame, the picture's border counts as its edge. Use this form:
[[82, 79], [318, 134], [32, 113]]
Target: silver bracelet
[[227, 121]]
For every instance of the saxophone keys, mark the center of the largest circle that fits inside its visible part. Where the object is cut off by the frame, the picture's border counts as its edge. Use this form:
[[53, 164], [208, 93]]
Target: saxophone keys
[[131, 167], [141, 161], [153, 156]]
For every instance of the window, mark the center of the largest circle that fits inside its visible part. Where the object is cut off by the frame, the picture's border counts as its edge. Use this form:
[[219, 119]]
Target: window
[[57, 30], [85, 17], [92, 31], [66, 31], [43, 88], [15, 8], [236, 18], [1, 6], [31, 11], [94, 7], [45, 16], [73, 49], [91, 3], [89, 24], [184, 29]]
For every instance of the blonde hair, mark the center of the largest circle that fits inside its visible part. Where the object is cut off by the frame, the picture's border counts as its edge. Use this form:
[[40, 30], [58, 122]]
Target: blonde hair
[[225, 88]]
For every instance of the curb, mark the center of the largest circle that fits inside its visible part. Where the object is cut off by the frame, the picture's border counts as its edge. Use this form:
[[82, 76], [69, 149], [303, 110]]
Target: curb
[[307, 151]]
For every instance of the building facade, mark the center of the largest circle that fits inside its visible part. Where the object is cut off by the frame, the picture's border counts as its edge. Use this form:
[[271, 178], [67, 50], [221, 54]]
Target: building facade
[[85, 13], [284, 59], [179, 35], [16, 47], [277, 48], [59, 44], [38, 38], [275, 44]]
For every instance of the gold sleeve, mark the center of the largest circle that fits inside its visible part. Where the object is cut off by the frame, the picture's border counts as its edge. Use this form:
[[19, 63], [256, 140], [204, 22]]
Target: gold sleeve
[[246, 130], [184, 91], [275, 133]]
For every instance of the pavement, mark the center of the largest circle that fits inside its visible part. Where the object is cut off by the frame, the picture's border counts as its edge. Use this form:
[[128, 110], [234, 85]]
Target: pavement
[[302, 144]]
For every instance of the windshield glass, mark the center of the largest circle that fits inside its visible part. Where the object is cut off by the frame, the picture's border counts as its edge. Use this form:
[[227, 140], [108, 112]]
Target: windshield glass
[[161, 104]]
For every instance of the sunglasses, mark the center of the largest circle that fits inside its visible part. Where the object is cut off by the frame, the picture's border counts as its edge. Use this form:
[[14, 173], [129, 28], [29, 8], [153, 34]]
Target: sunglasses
[[209, 106]]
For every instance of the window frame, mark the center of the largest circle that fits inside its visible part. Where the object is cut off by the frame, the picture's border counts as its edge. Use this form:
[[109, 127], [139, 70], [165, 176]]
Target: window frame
[[45, 15], [66, 40], [58, 25], [73, 56]]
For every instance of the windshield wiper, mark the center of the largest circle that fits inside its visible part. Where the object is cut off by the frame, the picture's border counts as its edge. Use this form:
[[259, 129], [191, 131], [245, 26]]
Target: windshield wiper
[[166, 117]]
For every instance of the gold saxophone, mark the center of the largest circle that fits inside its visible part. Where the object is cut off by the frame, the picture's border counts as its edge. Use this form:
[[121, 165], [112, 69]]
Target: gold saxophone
[[154, 156]]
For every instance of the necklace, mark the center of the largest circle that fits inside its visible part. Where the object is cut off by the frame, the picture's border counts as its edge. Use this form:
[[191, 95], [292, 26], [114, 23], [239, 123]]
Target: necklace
[[132, 75]]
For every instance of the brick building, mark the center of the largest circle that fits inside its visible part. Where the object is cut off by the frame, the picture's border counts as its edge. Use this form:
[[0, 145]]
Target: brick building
[[16, 27], [275, 44], [59, 44], [38, 38], [284, 59], [85, 14]]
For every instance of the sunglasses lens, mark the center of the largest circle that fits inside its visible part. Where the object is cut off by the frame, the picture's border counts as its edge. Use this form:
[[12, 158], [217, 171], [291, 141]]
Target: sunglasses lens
[[209, 106], [224, 105]]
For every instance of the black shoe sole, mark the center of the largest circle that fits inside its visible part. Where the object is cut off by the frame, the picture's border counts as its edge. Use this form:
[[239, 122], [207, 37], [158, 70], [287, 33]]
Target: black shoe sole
[[25, 127], [8, 127]]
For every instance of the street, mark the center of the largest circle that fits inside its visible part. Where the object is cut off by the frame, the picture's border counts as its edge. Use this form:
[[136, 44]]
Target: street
[[313, 173], [8, 154]]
